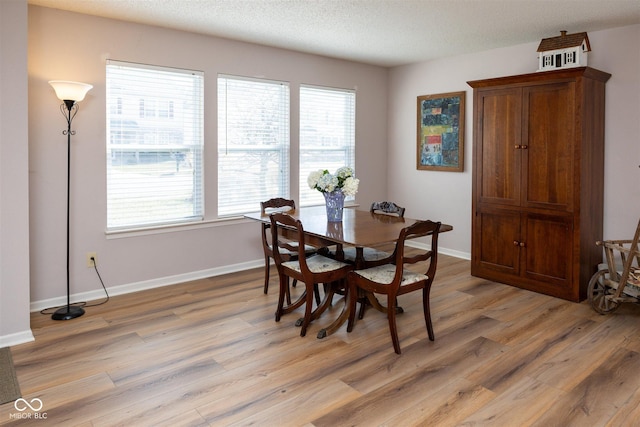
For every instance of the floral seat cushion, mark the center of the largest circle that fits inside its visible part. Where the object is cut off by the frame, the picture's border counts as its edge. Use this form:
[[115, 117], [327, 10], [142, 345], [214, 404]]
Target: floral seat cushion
[[316, 263], [384, 274], [307, 248], [370, 254]]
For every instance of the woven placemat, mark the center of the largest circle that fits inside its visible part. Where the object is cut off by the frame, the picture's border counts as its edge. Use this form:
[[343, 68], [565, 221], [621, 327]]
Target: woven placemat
[[9, 387]]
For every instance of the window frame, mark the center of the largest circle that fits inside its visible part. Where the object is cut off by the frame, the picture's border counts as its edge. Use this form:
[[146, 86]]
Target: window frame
[[188, 129], [349, 148], [253, 192]]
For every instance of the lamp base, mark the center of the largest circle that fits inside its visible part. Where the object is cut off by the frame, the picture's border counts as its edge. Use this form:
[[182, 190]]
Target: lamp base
[[67, 313]]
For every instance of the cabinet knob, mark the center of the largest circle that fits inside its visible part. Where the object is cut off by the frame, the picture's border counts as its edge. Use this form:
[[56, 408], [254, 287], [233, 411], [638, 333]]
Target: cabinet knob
[[516, 146], [524, 147], [516, 243], [522, 244]]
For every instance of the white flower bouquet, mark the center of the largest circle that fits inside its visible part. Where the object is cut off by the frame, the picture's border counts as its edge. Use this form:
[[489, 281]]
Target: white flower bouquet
[[342, 180]]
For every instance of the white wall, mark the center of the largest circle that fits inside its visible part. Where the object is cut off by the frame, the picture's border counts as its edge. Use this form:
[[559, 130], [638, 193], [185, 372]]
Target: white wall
[[71, 46], [446, 196], [14, 190]]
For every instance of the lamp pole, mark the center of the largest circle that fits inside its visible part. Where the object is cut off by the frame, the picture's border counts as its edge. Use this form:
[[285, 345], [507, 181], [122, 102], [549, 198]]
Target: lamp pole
[[70, 93], [69, 110]]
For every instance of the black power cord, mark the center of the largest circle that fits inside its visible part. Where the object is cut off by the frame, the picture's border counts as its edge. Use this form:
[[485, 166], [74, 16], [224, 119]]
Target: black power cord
[[50, 310]]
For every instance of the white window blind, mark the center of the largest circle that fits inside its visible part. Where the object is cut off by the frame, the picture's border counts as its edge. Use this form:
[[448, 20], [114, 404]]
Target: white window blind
[[154, 145], [327, 135], [253, 143]]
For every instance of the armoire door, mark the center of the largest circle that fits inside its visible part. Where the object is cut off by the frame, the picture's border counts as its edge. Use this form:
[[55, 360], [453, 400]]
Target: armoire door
[[548, 146], [495, 241], [498, 133], [548, 242]]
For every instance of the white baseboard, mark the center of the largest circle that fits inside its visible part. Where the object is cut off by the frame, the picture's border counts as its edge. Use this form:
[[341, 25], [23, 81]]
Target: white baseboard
[[443, 251], [16, 338], [144, 285]]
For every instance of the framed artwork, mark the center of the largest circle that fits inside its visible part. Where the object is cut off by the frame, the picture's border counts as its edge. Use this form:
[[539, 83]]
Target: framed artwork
[[440, 144]]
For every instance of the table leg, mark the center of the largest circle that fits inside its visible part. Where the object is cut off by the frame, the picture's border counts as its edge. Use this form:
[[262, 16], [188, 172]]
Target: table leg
[[344, 315]]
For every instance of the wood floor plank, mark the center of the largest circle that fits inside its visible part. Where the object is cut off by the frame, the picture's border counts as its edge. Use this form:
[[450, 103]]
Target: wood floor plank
[[72, 363], [161, 356], [209, 352], [280, 376], [521, 329], [392, 366], [518, 361], [134, 401], [628, 414], [303, 407], [519, 405], [55, 397], [454, 402], [406, 390], [599, 396], [587, 353], [522, 305]]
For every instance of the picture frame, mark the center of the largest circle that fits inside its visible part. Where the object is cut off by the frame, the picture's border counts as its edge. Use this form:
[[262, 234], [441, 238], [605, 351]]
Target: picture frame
[[440, 132]]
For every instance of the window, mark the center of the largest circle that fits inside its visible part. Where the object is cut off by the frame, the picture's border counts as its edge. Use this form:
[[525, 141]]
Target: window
[[327, 135], [253, 143], [548, 60], [570, 58], [154, 159]]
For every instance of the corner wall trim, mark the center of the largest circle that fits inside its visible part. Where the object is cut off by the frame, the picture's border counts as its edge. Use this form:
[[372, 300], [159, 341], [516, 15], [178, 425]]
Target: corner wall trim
[[16, 338]]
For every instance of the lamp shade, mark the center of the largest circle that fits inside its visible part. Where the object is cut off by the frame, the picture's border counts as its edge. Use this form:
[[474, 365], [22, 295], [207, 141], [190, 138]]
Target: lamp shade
[[70, 91]]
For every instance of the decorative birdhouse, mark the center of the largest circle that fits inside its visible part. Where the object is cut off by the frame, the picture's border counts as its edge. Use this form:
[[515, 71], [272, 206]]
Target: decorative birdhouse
[[564, 51]]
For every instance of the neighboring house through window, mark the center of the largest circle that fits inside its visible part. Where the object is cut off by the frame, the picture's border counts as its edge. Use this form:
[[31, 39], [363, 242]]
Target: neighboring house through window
[[154, 145]]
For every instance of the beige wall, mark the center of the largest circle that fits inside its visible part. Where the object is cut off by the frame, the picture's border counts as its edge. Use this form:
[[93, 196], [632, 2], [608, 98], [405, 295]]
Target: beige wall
[[145, 260], [447, 195], [14, 179]]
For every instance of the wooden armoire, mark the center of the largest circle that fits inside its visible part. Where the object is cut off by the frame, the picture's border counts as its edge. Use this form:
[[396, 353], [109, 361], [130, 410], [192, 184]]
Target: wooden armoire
[[538, 179]]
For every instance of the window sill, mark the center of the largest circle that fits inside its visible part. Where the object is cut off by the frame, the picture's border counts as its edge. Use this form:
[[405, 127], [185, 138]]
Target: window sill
[[172, 228], [196, 225]]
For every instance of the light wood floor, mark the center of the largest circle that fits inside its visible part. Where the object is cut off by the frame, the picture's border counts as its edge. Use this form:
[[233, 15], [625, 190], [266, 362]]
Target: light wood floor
[[209, 352]]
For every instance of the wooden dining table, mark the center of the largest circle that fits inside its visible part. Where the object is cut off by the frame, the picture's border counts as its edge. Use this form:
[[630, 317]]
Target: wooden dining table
[[358, 228]]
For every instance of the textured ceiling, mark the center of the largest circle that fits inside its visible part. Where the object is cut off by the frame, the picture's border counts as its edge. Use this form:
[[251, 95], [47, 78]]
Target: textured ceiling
[[380, 32]]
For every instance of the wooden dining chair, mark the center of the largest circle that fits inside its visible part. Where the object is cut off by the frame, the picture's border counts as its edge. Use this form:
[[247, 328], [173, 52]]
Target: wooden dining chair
[[394, 279], [276, 205], [310, 269]]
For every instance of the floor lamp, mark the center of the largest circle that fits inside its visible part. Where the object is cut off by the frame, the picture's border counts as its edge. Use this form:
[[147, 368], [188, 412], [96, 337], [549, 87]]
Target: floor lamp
[[70, 93]]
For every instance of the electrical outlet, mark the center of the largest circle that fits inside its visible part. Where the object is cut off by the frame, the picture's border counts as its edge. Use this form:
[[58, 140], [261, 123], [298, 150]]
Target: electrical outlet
[[90, 262]]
